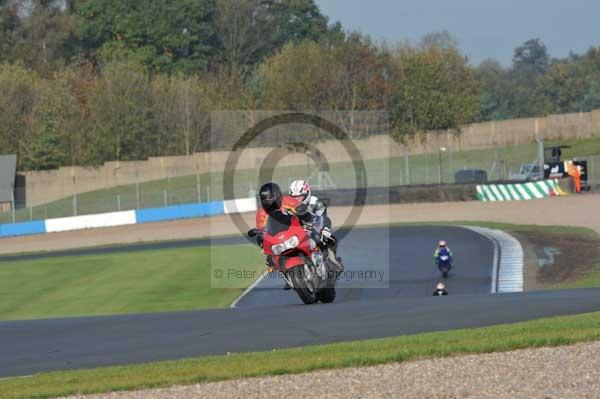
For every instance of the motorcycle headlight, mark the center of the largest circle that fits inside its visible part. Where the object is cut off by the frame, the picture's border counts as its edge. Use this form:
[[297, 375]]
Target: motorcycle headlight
[[444, 258], [290, 243], [278, 249]]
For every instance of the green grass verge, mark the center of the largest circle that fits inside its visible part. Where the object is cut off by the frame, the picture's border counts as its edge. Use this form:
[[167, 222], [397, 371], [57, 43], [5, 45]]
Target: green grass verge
[[592, 280], [543, 332], [141, 281], [532, 228], [423, 169]]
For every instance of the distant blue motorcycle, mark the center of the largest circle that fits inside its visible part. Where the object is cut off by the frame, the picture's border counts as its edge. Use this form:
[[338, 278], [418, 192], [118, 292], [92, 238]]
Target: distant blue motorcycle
[[444, 261]]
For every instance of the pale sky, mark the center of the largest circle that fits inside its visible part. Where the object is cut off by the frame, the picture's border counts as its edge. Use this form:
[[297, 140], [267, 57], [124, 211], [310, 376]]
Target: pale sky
[[483, 28]]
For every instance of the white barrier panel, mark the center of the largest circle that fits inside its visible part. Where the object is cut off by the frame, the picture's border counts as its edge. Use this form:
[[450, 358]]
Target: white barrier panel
[[90, 221], [240, 205]]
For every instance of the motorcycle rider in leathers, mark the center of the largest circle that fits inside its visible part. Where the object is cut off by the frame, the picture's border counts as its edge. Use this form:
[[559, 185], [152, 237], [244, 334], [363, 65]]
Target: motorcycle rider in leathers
[[442, 248], [271, 200], [301, 191]]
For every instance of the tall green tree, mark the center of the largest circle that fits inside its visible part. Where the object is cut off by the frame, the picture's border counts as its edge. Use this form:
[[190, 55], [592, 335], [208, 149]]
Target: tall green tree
[[250, 30], [120, 122], [10, 25], [347, 77], [59, 114], [245, 33], [495, 91], [48, 40], [44, 150], [591, 99], [531, 57], [442, 39], [182, 113], [19, 93], [590, 65], [298, 20], [360, 83], [166, 36], [432, 88], [562, 87], [299, 77], [530, 62]]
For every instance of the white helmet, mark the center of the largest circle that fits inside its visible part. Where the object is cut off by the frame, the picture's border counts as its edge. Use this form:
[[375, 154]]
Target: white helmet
[[440, 286], [300, 189]]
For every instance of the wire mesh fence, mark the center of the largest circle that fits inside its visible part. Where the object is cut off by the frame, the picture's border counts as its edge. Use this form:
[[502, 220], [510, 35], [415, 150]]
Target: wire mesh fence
[[440, 167]]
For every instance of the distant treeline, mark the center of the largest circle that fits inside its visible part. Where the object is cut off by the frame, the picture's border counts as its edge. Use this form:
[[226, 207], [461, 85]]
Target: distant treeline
[[87, 81]]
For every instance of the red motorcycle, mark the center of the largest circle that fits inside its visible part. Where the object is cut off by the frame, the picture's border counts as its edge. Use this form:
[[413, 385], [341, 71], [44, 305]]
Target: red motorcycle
[[295, 252]]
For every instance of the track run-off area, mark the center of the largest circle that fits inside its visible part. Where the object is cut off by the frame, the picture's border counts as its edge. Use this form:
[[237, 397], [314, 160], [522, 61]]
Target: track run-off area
[[395, 300]]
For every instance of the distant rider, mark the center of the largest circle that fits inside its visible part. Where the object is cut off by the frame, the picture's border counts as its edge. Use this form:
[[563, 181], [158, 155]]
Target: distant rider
[[440, 289], [442, 250]]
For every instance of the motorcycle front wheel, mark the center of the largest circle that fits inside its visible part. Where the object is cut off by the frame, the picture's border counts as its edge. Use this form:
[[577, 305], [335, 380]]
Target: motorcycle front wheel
[[303, 284]]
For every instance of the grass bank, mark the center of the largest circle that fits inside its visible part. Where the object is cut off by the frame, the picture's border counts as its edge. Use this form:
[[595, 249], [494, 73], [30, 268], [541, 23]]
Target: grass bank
[[543, 332], [130, 282]]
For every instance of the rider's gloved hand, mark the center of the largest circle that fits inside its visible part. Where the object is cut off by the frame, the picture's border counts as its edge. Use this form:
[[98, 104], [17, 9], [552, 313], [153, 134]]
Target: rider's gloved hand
[[301, 209], [327, 235], [260, 240]]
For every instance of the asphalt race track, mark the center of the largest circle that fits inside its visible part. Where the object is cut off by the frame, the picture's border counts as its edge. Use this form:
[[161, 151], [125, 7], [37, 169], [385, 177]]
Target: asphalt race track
[[269, 317], [404, 257]]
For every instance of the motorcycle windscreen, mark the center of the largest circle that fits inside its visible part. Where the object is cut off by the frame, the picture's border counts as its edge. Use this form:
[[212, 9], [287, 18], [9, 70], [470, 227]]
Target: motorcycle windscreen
[[278, 222]]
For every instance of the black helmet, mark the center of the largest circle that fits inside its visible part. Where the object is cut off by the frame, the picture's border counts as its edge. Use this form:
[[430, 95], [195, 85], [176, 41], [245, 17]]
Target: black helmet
[[270, 197]]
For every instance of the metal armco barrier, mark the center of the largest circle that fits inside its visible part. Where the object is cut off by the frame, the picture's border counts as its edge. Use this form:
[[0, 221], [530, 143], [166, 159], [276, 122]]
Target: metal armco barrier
[[129, 217]]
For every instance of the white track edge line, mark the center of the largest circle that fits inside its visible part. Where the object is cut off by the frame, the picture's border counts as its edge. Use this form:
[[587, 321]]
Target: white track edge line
[[247, 291], [512, 252]]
